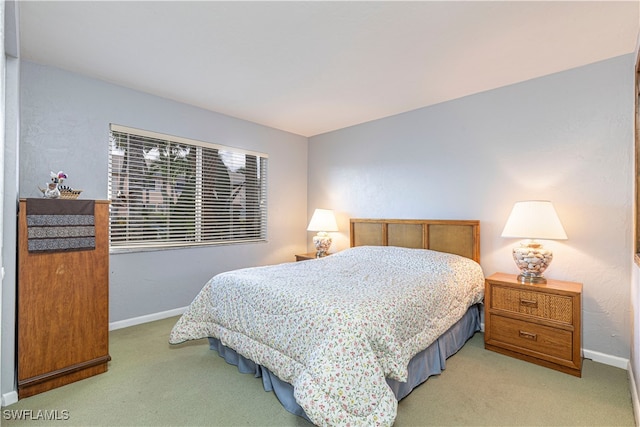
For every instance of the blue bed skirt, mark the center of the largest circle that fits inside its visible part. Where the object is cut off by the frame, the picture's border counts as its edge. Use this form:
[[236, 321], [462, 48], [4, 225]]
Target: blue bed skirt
[[428, 362]]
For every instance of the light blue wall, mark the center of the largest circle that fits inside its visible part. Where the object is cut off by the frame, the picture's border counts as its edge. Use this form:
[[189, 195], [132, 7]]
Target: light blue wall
[[10, 201], [65, 121], [566, 137], [65, 124]]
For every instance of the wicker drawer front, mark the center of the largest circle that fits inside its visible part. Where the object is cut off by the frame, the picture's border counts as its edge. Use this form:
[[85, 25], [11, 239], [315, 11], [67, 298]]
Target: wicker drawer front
[[541, 341], [538, 304]]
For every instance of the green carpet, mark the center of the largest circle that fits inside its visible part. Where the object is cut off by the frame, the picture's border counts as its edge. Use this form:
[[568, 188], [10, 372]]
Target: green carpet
[[150, 383]]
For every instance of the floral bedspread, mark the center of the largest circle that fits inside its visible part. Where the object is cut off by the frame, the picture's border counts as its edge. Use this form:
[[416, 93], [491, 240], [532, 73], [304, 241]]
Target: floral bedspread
[[335, 327]]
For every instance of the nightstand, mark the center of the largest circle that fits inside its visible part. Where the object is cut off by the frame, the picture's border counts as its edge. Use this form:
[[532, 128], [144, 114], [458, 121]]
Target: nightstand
[[310, 255], [539, 323], [304, 257]]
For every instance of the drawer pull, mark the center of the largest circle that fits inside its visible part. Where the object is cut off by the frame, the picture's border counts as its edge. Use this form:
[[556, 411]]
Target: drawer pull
[[529, 303], [528, 335]]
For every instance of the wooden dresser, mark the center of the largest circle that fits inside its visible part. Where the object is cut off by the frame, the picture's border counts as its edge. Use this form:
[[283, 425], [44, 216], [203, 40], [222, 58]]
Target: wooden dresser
[[539, 323], [63, 309]]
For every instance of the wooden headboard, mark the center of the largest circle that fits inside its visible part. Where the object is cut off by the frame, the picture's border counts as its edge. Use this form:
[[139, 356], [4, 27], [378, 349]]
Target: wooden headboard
[[460, 237]]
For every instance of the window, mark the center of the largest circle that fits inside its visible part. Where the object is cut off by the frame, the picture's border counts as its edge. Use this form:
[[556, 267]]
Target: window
[[167, 191]]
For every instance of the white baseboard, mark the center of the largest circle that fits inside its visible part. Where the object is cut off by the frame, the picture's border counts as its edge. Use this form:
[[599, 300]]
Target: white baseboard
[[596, 356], [9, 398], [12, 396], [146, 318], [607, 359]]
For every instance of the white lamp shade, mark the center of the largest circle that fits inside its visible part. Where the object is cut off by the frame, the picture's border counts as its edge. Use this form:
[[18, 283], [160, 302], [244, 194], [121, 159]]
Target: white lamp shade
[[534, 219], [323, 220]]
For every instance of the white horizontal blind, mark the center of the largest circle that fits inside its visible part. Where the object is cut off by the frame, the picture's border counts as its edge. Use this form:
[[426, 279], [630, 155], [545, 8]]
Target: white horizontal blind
[[167, 191]]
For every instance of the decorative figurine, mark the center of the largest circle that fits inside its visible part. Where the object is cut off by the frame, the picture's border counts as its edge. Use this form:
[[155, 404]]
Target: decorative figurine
[[51, 190]]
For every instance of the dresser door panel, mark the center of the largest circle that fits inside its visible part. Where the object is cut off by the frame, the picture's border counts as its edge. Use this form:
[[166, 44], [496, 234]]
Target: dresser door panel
[[63, 310]]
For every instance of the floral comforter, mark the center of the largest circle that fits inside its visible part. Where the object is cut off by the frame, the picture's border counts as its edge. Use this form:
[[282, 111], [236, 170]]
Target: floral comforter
[[335, 327]]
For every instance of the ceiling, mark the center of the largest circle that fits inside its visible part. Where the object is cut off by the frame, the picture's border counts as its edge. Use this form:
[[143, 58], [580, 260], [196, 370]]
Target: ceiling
[[313, 67]]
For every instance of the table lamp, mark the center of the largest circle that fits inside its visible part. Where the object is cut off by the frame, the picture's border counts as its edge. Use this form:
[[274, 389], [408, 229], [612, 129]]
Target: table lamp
[[533, 219], [322, 221]]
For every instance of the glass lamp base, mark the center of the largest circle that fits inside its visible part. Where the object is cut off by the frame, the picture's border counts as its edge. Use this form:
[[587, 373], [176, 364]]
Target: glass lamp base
[[532, 260], [531, 279]]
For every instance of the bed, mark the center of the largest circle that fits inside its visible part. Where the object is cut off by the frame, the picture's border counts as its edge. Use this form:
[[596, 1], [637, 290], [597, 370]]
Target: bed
[[342, 339]]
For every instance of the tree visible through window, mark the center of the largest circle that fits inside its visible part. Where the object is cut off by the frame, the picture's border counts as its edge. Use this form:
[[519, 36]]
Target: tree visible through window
[[168, 191]]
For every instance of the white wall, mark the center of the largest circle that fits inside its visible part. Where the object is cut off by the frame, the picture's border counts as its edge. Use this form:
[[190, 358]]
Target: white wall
[[2, 139], [65, 126], [565, 137], [634, 366], [10, 163]]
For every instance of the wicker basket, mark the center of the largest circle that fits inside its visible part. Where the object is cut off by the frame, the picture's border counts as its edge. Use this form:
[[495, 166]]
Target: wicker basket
[[70, 194]]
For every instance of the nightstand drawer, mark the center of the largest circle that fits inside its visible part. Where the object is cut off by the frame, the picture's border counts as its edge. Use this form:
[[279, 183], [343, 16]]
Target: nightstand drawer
[[538, 304], [540, 341]]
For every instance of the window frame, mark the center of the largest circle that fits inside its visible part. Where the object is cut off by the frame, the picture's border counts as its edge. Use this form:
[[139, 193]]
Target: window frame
[[227, 232]]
